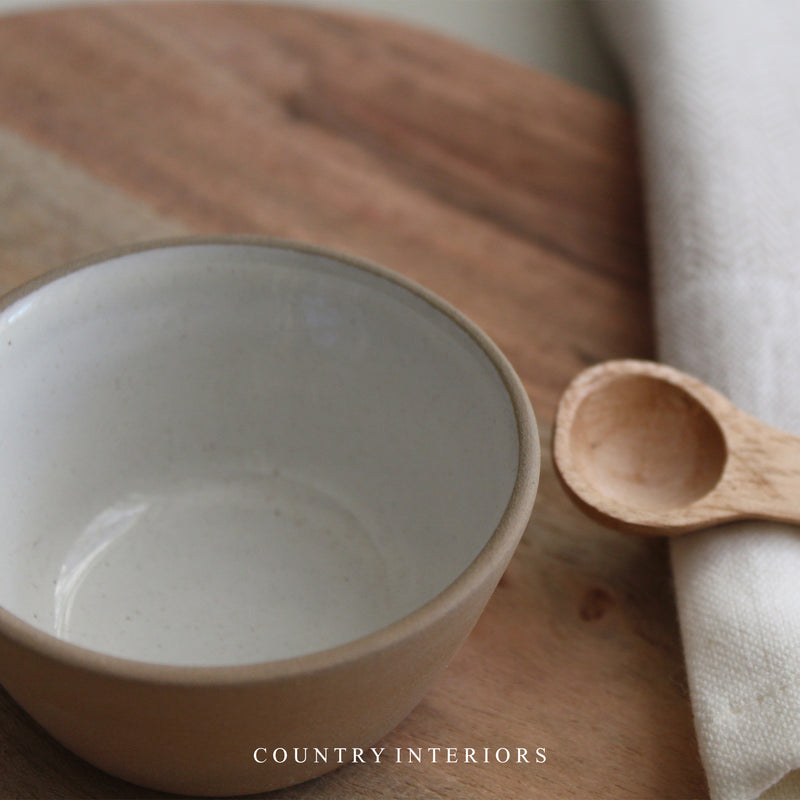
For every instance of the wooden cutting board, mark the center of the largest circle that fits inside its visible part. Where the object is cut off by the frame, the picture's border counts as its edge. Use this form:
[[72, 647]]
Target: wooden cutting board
[[513, 195]]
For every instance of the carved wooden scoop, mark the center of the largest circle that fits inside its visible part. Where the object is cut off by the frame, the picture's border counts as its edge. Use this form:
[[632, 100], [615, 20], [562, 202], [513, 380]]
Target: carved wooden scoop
[[645, 448]]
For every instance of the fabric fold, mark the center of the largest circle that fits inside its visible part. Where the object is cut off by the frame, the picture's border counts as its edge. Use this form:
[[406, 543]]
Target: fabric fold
[[716, 87]]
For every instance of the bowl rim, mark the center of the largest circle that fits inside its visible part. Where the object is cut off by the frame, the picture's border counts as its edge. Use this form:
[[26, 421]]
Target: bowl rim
[[492, 555]]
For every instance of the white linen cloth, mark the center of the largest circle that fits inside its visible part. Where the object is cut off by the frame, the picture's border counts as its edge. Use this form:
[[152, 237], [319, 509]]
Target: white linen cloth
[[716, 87]]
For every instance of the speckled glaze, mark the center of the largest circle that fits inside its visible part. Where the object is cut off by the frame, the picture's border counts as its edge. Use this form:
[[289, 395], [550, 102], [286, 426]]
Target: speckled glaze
[[255, 494]]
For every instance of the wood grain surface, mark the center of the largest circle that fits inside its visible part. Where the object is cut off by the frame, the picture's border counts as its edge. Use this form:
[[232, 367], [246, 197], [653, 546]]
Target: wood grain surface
[[512, 194]]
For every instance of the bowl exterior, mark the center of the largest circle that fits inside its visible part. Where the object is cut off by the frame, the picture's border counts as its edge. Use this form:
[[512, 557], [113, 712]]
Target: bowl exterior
[[200, 738]]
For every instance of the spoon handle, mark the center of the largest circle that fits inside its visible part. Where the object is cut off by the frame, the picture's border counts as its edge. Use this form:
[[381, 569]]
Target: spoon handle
[[762, 478]]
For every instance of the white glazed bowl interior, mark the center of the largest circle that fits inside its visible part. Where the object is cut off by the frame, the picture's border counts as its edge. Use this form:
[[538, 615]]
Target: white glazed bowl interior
[[225, 453]]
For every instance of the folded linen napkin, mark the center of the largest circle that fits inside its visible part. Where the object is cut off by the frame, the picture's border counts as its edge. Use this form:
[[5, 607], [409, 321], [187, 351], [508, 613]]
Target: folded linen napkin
[[716, 86]]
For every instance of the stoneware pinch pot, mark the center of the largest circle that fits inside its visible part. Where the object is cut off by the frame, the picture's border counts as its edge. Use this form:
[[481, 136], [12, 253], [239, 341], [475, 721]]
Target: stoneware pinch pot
[[254, 495]]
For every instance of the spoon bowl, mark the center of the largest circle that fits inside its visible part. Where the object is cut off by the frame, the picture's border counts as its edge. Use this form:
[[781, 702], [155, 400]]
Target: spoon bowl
[[646, 448]]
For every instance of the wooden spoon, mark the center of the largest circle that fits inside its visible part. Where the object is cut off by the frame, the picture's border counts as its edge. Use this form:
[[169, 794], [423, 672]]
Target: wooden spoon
[[646, 448]]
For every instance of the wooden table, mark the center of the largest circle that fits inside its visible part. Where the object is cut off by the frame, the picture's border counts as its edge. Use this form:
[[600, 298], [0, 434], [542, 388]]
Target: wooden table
[[510, 193]]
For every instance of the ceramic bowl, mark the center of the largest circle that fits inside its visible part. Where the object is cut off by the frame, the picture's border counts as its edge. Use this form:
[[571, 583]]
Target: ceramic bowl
[[254, 495]]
